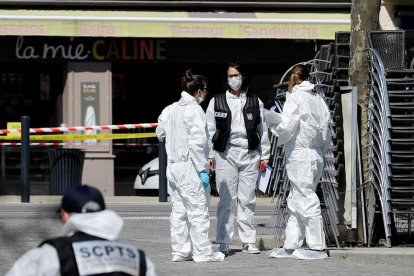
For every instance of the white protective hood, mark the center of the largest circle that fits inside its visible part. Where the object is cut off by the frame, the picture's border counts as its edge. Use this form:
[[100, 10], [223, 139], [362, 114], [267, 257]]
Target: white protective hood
[[105, 224]]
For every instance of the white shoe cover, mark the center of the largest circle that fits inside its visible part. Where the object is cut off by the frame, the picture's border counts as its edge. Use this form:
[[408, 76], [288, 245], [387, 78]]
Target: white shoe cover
[[303, 254], [280, 253], [215, 257]]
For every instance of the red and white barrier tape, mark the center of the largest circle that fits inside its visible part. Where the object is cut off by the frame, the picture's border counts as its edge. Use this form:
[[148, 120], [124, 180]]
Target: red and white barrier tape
[[63, 144], [80, 128]]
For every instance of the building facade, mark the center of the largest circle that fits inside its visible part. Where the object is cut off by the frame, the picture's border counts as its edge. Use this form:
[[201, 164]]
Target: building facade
[[76, 63]]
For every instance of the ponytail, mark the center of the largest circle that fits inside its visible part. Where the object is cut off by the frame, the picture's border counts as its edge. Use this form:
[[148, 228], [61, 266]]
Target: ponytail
[[293, 80], [192, 83], [298, 74]]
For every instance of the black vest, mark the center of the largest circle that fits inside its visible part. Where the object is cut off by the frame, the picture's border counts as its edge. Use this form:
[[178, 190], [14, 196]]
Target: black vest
[[222, 114], [68, 265]]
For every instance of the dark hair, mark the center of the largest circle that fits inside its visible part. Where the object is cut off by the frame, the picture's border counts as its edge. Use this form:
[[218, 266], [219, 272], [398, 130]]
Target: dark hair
[[243, 73], [192, 83], [298, 74]]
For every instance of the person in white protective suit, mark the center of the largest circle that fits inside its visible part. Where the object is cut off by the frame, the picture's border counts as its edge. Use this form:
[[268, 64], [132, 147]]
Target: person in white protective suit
[[182, 125], [303, 127], [90, 234], [240, 147]]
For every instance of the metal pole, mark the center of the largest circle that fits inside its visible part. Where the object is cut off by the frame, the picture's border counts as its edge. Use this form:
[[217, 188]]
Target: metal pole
[[162, 170], [354, 170], [25, 159], [3, 165]]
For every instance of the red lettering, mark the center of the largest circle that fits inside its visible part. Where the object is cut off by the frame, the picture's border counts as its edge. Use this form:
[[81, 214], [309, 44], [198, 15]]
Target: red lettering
[[147, 51], [125, 55]]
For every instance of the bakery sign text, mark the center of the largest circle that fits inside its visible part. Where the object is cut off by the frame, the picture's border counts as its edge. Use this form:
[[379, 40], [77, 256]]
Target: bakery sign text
[[100, 49]]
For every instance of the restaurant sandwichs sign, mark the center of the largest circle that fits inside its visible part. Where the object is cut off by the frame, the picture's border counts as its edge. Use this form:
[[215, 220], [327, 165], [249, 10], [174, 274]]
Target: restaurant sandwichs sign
[[98, 50]]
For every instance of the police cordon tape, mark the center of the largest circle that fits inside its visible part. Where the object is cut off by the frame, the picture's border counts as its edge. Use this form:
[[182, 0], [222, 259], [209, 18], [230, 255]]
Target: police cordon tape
[[80, 128], [65, 137], [80, 144]]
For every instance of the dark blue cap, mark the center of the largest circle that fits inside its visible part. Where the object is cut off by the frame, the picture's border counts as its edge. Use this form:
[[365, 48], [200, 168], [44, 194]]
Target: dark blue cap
[[83, 199]]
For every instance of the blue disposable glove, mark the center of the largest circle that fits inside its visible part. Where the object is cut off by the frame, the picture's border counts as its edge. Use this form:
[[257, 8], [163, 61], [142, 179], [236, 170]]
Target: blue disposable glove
[[205, 179]]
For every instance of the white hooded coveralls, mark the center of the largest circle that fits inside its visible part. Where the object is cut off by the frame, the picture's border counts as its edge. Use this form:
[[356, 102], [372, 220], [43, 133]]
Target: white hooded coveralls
[[44, 260], [183, 127], [237, 169], [304, 129]]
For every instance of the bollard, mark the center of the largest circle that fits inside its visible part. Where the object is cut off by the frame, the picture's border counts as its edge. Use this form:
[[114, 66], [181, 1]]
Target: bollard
[[25, 159], [162, 170]]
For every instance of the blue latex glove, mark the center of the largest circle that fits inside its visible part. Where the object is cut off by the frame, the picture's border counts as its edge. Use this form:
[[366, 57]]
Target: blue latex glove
[[205, 179]]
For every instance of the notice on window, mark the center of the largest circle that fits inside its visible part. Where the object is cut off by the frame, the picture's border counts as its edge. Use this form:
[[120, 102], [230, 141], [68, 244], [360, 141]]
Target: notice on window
[[90, 106]]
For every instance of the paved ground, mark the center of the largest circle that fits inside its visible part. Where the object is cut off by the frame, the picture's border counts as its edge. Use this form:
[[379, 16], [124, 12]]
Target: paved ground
[[24, 225]]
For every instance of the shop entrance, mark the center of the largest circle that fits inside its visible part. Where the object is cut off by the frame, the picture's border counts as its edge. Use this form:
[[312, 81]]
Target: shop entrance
[[142, 85], [28, 89]]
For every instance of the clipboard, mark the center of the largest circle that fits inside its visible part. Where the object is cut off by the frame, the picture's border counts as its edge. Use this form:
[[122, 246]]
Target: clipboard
[[263, 179]]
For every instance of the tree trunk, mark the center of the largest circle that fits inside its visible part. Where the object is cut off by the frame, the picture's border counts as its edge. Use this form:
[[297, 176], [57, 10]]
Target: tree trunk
[[364, 18]]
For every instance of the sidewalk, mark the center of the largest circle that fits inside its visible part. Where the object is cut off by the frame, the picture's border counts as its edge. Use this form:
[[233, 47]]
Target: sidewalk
[[401, 256], [113, 200], [130, 205]]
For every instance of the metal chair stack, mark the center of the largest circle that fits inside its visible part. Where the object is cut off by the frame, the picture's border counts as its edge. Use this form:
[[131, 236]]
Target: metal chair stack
[[324, 75], [390, 155]]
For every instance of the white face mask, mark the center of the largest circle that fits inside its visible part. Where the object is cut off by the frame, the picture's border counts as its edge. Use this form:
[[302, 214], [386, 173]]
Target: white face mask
[[200, 100], [235, 82]]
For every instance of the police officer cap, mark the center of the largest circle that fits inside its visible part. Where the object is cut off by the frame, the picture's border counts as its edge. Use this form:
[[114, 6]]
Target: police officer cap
[[83, 199]]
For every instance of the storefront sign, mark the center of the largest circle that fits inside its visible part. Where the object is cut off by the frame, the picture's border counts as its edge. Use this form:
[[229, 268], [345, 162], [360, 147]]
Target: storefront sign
[[99, 50], [152, 24], [292, 31]]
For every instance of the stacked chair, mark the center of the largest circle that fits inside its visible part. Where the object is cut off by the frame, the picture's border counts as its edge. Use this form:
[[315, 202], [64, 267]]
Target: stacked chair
[[390, 155], [327, 72]]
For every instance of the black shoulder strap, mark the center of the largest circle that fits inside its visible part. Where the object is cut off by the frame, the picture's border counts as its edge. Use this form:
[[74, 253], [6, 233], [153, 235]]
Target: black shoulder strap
[[63, 246], [142, 263], [220, 102], [252, 100]]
